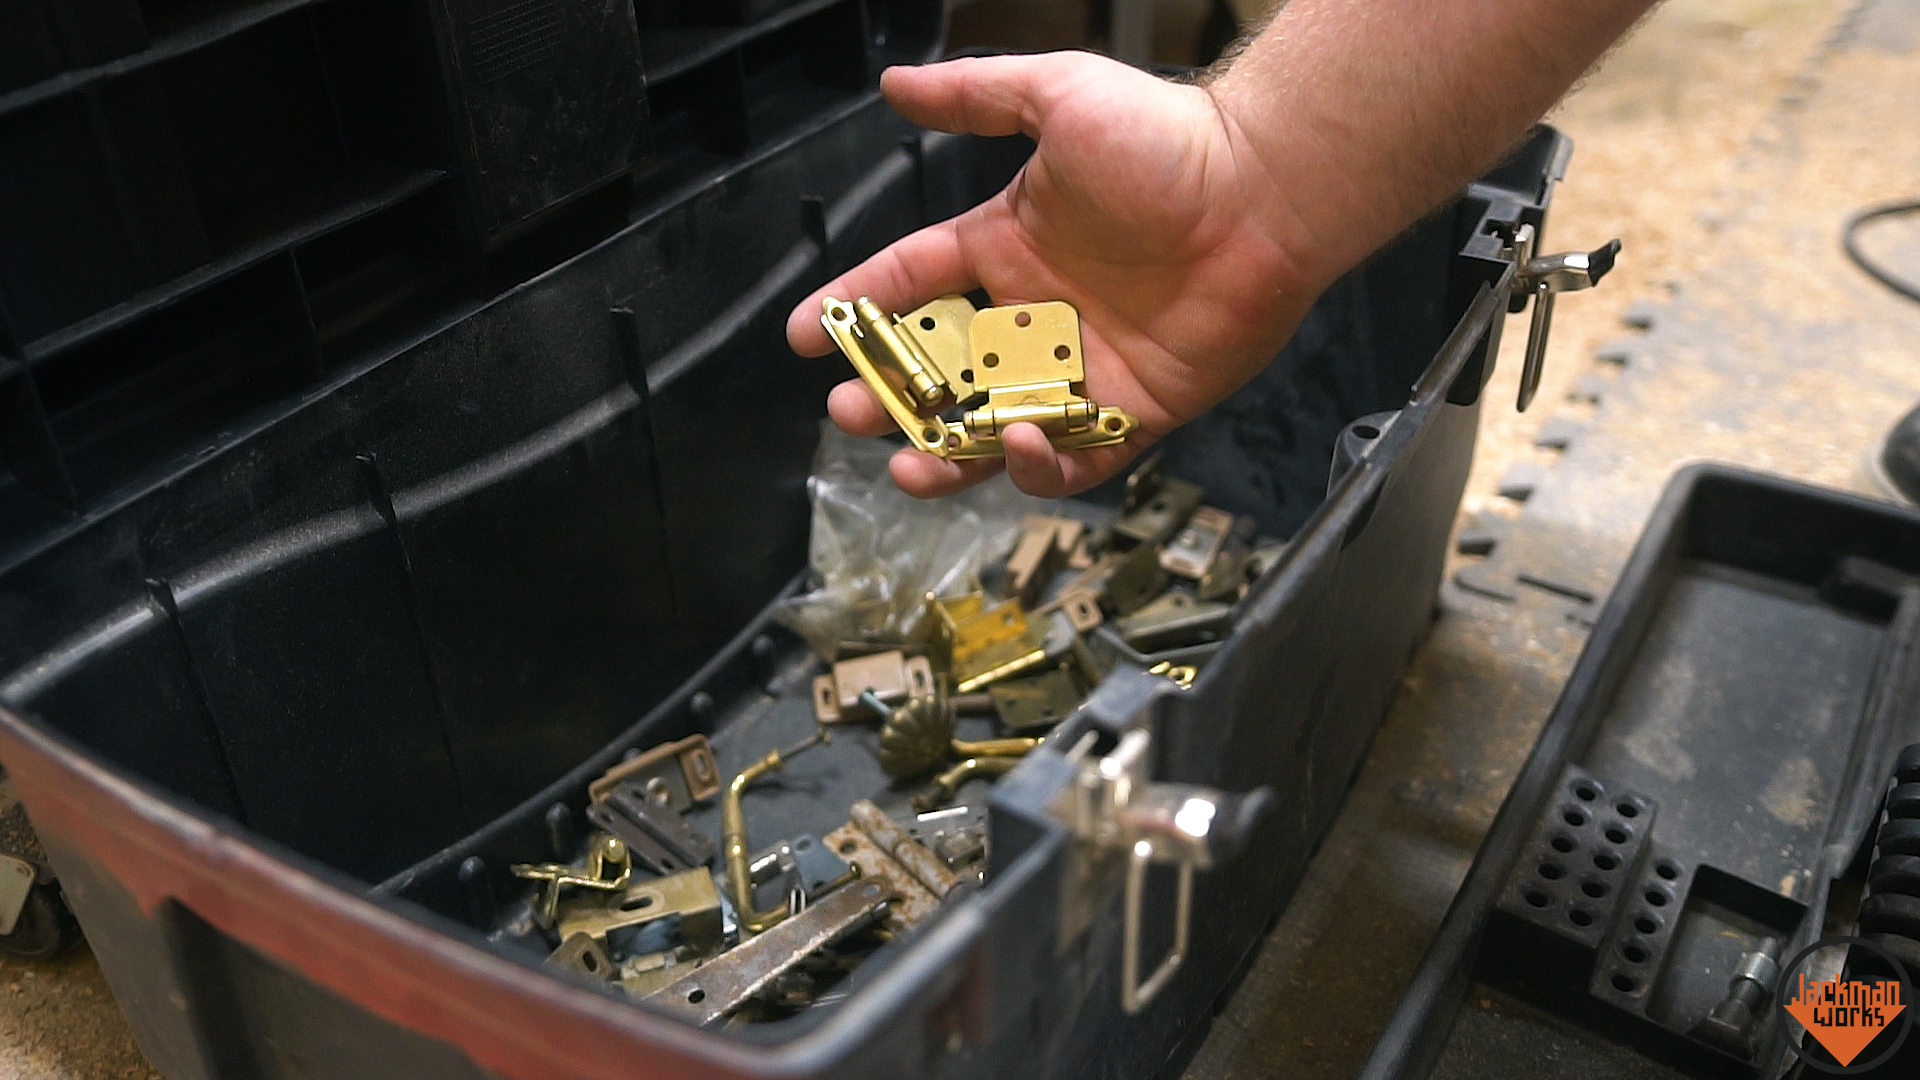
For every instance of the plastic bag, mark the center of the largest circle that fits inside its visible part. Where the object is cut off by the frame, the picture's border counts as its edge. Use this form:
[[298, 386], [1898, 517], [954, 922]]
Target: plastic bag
[[876, 552]]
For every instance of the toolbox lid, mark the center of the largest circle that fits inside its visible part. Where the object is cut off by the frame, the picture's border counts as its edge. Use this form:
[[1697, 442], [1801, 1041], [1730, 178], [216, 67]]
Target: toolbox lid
[[216, 209], [1718, 788]]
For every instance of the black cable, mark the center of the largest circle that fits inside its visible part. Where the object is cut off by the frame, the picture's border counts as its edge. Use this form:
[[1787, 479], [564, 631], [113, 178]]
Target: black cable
[[1849, 239]]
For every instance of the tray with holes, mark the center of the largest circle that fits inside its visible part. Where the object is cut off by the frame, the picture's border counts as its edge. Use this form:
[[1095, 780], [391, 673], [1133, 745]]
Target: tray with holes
[[1721, 785], [1573, 891]]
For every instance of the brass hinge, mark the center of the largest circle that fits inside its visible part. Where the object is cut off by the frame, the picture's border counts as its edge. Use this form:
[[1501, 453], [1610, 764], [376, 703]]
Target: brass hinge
[[1007, 365]]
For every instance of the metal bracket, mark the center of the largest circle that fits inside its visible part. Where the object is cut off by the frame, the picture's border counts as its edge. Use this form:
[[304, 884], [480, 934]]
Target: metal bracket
[[1225, 578], [1541, 277], [1174, 620], [607, 854], [659, 839], [979, 645], [582, 954], [957, 834], [726, 982], [1195, 546], [1026, 359], [805, 863], [1037, 702], [689, 896], [892, 676], [1045, 545], [675, 775], [16, 884], [1155, 505], [643, 974], [1123, 581]]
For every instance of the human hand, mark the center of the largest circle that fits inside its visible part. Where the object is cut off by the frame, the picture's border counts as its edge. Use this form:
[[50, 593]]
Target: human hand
[[1142, 206]]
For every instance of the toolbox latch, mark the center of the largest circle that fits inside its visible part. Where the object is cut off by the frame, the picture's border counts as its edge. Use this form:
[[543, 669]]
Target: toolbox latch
[[1113, 809], [1541, 277]]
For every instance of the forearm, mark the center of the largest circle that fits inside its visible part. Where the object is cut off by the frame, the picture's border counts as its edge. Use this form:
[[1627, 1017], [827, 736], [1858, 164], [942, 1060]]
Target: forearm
[[1362, 116]]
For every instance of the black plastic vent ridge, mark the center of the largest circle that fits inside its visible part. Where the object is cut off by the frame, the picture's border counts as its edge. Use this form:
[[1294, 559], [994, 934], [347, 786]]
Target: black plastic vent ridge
[[215, 207]]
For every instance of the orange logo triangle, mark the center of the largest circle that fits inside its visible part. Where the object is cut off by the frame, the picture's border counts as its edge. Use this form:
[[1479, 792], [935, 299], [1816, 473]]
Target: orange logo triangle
[[1845, 1016]]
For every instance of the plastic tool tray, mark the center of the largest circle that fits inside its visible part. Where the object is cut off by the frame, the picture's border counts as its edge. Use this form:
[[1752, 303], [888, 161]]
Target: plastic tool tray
[[1711, 786], [287, 709]]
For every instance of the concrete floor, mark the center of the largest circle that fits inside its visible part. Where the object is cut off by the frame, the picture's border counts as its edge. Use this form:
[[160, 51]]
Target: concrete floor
[[58, 1020], [1723, 142]]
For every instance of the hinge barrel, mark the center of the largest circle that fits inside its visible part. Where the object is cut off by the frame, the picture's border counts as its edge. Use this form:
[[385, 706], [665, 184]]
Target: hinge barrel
[[898, 351], [1054, 418]]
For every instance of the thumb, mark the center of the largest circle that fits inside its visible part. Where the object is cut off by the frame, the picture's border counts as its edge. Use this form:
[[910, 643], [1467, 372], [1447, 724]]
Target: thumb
[[986, 95]]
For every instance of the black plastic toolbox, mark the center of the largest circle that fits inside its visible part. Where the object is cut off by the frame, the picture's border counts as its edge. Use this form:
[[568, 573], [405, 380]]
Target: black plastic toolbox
[[1709, 787], [300, 654], [166, 163]]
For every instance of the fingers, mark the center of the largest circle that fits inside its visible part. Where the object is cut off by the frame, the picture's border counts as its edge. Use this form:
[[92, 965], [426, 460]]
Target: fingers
[[859, 413], [904, 275], [853, 407], [1035, 466], [1039, 469], [985, 95], [925, 476]]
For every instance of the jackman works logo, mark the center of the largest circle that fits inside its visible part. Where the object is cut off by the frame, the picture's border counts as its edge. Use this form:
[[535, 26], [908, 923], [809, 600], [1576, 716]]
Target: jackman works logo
[[1845, 1016]]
